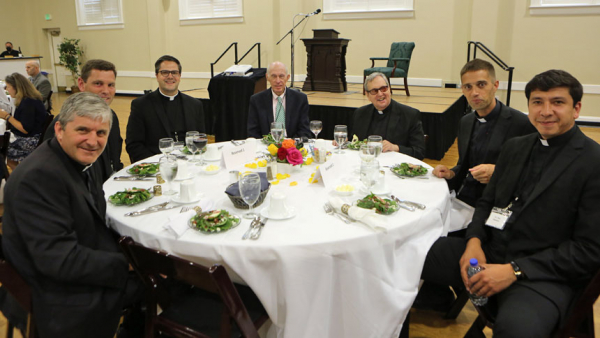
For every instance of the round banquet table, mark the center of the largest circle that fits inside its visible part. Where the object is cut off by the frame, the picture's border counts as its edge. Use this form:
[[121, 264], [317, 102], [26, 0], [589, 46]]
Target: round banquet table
[[315, 275]]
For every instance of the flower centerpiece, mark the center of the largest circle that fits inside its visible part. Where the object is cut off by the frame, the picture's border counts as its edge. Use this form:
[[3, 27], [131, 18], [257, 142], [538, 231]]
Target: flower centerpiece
[[289, 152]]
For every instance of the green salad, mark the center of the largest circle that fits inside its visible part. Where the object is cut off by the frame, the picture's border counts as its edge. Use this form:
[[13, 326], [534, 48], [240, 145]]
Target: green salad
[[130, 196], [356, 143], [144, 169], [382, 206], [407, 169], [214, 221]]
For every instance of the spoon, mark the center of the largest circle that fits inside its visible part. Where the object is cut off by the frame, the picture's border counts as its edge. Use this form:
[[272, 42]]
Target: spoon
[[329, 210]]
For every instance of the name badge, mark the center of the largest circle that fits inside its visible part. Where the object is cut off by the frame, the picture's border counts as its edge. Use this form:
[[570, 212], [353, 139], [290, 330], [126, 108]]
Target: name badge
[[498, 218]]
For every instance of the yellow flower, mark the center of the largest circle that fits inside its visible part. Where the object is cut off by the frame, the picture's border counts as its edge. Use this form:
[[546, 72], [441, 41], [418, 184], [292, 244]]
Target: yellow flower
[[272, 149], [281, 176], [309, 161], [287, 175], [251, 165], [310, 180], [315, 181], [275, 182], [262, 163], [303, 151], [312, 175], [293, 183]]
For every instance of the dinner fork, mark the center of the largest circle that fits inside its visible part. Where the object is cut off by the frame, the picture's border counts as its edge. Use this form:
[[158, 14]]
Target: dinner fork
[[255, 222], [184, 209]]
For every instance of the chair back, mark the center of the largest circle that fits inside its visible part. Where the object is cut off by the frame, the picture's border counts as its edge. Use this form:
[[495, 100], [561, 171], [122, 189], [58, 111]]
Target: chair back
[[580, 320], [49, 119], [4, 142], [150, 264], [401, 50], [48, 99]]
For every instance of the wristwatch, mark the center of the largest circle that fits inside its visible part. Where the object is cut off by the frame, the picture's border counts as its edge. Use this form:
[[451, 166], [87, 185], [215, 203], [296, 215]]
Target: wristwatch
[[517, 271]]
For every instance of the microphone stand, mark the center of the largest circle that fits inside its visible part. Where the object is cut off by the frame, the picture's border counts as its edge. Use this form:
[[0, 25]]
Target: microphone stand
[[291, 32]]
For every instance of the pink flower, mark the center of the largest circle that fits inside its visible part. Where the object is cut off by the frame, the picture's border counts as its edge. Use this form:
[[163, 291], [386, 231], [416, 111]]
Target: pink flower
[[282, 153], [294, 157]]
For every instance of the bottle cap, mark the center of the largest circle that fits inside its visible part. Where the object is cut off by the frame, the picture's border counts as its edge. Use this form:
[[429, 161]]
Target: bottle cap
[[473, 262]]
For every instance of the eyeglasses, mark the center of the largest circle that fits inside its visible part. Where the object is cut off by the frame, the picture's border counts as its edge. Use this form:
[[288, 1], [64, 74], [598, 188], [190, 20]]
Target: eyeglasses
[[374, 91], [166, 73]]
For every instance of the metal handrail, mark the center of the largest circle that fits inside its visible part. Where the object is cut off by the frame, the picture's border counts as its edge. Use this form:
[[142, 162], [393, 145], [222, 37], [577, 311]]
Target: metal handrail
[[212, 72], [249, 50], [494, 58]]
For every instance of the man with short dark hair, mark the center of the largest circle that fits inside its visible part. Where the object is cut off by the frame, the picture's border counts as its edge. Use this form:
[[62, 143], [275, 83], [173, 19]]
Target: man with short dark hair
[[166, 112], [39, 80], [99, 77], [399, 125], [10, 52], [535, 228], [278, 104], [55, 233]]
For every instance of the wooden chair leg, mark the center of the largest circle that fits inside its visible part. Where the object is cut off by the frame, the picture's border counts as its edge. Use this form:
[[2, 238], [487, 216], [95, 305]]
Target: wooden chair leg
[[476, 330], [9, 329], [390, 82], [457, 305], [406, 87], [364, 78]]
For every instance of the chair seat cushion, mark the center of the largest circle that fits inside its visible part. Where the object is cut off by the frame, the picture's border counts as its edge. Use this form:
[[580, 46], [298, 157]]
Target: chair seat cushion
[[387, 71]]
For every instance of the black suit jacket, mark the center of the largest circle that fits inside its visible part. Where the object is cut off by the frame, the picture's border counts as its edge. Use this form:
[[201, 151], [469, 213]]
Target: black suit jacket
[[260, 114], [404, 129], [510, 123], [148, 123], [555, 239], [56, 237]]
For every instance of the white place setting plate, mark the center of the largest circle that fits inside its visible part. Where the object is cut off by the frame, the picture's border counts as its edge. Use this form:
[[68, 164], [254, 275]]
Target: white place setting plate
[[291, 213], [177, 199], [378, 192]]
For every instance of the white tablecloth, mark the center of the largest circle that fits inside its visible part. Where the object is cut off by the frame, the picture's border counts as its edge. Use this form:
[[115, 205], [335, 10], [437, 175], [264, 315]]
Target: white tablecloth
[[315, 275]]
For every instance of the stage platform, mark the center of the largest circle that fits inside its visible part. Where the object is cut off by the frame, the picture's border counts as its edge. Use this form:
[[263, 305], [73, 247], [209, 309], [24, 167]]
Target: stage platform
[[441, 109]]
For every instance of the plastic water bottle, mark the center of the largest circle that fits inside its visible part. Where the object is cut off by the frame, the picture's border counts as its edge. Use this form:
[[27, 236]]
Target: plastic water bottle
[[471, 270]]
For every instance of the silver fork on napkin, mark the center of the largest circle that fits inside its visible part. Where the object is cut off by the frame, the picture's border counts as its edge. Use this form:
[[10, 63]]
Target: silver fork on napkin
[[149, 210], [255, 222], [259, 228]]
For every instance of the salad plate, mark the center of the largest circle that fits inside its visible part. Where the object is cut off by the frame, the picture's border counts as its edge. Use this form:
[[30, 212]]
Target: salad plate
[[383, 206], [214, 221], [144, 169], [130, 197], [405, 170]]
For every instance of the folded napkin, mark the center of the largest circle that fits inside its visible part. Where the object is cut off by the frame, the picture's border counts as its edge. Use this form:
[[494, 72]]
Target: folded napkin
[[234, 189], [178, 223], [367, 216]]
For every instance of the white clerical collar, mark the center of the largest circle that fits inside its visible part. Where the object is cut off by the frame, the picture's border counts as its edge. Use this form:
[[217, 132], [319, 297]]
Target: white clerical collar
[[171, 98], [544, 142], [481, 119], [380, 112]]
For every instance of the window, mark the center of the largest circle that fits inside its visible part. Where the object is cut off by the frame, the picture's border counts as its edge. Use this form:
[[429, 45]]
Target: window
[[99, 14], [568, 7], [367, 9], [210, 11]]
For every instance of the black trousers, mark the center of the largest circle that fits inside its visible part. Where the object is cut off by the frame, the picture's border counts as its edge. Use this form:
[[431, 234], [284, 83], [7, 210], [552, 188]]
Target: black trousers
[[520, 311]]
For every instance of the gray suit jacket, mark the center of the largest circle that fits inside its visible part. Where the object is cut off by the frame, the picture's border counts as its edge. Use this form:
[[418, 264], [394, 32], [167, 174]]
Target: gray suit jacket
[[555, 239], [43, 86]]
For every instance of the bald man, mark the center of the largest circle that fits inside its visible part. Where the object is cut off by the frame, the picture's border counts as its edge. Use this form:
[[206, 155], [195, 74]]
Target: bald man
[[38, 79]]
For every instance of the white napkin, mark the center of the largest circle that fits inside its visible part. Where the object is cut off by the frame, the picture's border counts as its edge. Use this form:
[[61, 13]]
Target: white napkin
[[178, 223], [367, 216]]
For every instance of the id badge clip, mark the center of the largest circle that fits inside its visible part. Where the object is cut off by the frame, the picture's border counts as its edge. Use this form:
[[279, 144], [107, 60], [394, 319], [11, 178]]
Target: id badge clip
[[498, 217]]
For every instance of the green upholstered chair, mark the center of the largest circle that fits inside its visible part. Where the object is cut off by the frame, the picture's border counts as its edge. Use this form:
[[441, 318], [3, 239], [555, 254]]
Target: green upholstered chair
[[397, 63]]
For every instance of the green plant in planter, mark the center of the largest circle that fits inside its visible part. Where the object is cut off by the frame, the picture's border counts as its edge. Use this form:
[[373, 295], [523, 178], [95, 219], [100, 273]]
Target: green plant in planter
[[70, 56]]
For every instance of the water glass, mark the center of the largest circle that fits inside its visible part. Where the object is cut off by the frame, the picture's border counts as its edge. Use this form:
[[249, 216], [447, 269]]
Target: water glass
[[249, 184], [166, 145], [315, 127], [277, 130], [189, 142], [367, 152], [168, 170], [340, 135], [369, 173], [377, 142]]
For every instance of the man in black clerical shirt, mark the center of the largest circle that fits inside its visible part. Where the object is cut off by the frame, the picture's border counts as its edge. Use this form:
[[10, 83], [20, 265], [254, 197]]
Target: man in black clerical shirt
[[164, 113], [9, 51], [399, 125], [535, 228]]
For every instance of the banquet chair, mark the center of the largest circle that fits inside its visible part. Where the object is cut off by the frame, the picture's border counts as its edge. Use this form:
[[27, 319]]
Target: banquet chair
[[579, 322], [49, 100], [49, 119], [4, 141], [214, 284], [397, 64]]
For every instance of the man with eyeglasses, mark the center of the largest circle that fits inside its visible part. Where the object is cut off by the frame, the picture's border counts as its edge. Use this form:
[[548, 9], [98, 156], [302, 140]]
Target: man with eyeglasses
[[278, 104], [399, 125], [166, 112]]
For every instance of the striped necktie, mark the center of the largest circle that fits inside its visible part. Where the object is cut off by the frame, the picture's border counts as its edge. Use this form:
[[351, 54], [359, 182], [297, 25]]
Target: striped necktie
[[280, 112]]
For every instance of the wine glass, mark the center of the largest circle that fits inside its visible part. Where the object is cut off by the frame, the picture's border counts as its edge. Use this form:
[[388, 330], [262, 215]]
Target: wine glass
[[277, 129], [189, 142], [166, 145], [340, 135], [249, 184], [369, 172], [377, 142], [367, 152], [200, 142], [168, 169], [316, 126]]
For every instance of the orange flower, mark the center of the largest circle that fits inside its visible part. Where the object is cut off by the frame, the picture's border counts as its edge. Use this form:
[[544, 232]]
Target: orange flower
[[288, 143]]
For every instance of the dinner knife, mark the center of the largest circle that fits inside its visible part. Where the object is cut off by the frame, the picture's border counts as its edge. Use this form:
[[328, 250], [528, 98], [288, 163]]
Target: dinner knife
[[133, 178], [260, 227], [255, 222], [149, 210]]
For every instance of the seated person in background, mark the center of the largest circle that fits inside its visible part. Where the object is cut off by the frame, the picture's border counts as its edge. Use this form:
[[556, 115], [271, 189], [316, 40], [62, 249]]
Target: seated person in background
[[535, 229], [9, 50], [39, 80], [100, 77], [55, 232], [28, 120], [166, 112], [399, 125], [278, 104]]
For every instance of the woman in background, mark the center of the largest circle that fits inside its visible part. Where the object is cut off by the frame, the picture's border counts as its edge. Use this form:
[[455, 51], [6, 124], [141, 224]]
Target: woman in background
[[28, 119]]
